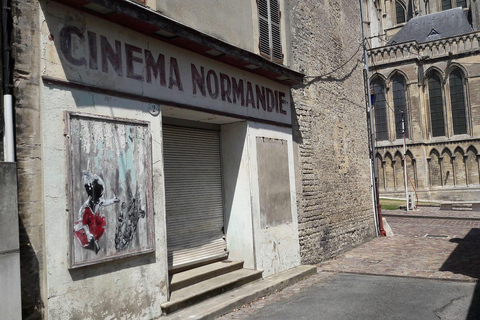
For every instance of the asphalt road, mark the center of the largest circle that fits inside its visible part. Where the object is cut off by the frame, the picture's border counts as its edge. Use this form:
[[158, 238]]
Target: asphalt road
[[364, 297]]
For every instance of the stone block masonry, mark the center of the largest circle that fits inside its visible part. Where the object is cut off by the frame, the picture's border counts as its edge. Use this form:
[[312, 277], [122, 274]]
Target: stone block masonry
[[330, 130]]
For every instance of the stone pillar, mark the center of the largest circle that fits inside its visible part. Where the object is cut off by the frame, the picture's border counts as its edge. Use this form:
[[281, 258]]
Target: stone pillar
[[475, 9]]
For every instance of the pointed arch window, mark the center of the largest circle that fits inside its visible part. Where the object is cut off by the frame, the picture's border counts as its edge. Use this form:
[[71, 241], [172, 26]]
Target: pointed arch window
[[457, 100], [436, 105], [462, 3], [380, 109], [446, 4], [400, 105], [400, 12]]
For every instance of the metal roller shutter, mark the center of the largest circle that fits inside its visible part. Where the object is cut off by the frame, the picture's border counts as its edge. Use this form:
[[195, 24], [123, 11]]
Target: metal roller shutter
[[193, 190]]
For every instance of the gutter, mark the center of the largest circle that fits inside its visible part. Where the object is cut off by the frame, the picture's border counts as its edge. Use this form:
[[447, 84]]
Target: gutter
[[7, 86], [377, 209]]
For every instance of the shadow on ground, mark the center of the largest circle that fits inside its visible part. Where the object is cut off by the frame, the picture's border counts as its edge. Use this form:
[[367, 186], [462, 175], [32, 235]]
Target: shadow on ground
[[465, 259]]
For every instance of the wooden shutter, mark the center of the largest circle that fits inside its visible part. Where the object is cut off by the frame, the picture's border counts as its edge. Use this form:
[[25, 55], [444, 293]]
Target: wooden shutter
[[193, 195], [275, 26], [264, 27], [270, 43]]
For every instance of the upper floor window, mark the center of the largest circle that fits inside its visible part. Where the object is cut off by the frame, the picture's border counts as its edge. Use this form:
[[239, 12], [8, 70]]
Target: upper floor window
[[270, 43], [400, 12], [380, 109], [400, 106], [457, 100], [436, 105], [446, 4], [449, 4]]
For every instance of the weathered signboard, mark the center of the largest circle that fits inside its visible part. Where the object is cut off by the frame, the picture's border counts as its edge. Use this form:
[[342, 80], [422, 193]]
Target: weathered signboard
[[80, 48], [110, 186]]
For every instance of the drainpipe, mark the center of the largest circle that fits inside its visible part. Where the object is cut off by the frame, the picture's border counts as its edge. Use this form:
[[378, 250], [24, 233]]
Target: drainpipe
[[8, 137], [377, 209]]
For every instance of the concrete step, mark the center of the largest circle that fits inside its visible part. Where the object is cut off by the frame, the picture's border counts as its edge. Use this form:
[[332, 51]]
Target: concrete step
[[190, 277], [224, 303], [206, 289]]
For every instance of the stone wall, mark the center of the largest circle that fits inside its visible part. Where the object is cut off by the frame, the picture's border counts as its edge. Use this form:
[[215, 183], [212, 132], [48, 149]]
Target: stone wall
[[442, 167], [330, 129], [26, 54]]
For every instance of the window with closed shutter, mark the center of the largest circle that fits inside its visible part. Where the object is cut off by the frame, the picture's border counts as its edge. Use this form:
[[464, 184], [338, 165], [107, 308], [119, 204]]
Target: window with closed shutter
[[270, 43], [457, 99], [436, 106]]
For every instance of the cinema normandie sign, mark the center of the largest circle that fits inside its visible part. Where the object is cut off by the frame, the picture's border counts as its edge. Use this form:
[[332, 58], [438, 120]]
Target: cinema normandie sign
[[94, 52]]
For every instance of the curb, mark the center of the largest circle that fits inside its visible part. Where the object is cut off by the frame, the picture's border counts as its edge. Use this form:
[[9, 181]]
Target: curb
[[428, 217], [224, 303], [400, 276]]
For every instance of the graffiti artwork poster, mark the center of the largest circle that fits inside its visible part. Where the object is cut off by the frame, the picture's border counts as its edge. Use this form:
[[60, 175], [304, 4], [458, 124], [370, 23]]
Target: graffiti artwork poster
[[110, 186]]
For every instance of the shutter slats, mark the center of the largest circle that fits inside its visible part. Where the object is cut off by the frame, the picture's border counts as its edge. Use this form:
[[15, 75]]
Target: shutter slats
[[193, 192], [270, 43]]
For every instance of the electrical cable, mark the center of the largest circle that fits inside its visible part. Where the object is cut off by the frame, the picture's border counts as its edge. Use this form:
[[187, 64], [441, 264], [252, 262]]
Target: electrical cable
[[339, 67]]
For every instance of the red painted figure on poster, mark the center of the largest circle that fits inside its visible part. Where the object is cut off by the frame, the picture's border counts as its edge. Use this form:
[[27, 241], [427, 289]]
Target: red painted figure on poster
[[90, 225]]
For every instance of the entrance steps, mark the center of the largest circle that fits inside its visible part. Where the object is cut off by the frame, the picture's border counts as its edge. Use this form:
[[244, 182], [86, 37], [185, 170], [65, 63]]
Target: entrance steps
[[223, 303], [195, 285]]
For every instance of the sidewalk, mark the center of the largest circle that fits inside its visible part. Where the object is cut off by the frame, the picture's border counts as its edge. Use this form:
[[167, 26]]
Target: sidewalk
[[429, 247], [462, 213], [451, 251]]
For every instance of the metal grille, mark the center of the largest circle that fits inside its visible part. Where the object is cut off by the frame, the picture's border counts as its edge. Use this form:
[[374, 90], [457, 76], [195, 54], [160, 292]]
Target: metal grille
[[457, 99], [193, 195], [381, 128], [436, 106], [400, 106]]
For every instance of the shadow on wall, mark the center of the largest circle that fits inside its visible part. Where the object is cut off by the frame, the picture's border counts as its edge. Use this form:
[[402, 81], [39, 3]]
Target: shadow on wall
[[465, 259], [32, 304]]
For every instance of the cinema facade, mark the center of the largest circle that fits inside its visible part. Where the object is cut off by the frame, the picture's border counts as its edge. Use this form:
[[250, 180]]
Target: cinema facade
[[164, 159], [150, 141]]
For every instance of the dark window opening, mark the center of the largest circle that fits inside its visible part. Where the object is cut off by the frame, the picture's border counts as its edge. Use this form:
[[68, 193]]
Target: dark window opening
[[400, 12], [400, 106], [446, 4], [457, 98], [462, 3], [380, 109], [436, 106]]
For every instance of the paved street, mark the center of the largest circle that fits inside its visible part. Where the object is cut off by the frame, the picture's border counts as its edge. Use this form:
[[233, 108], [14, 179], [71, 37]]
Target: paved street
[[427, 270]]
